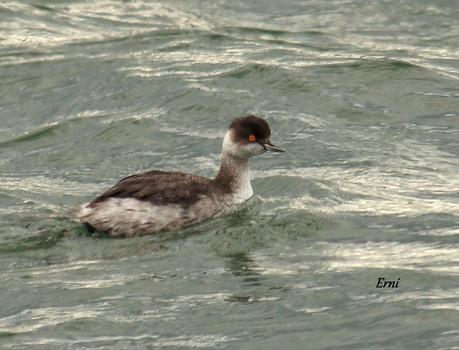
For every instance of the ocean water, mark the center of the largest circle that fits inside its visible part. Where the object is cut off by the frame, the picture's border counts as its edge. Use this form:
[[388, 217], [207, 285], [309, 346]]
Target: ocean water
[[364, 95]]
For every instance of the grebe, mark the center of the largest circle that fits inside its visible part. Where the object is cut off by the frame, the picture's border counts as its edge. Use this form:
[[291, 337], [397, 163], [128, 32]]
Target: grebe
[[156, 200]]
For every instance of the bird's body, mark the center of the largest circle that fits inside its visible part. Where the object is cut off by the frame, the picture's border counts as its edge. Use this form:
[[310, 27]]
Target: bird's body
[[154, 201]]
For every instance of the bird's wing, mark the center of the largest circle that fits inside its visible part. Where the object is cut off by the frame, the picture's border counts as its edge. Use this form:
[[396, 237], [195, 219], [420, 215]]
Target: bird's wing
[[160, 188]]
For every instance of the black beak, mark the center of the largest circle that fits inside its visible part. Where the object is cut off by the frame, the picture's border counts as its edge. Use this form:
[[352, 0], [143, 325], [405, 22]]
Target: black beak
[[270, 147]]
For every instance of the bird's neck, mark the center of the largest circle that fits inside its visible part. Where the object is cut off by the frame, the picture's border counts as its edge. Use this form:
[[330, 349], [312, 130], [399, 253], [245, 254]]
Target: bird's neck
[[234, 178]]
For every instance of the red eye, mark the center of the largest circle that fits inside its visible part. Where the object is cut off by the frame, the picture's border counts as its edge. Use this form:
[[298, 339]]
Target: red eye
[[252, 138]]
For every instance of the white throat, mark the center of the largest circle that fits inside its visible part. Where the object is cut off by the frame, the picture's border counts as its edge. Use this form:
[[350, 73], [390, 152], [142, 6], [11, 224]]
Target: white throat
[[234, 172], [241, 186]]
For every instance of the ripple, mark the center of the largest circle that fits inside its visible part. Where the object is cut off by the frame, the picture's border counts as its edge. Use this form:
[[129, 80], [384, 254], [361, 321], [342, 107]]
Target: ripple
[[377, 190], [189, 341], [78, 22], [346, 257], [31, 135], [34, 319]]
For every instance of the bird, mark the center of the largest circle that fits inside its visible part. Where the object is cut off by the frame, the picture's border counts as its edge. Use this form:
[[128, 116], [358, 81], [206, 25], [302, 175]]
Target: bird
[[154, 201]]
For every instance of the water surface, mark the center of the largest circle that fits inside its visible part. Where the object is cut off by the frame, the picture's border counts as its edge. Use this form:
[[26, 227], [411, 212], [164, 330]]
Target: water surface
[[364, 96]]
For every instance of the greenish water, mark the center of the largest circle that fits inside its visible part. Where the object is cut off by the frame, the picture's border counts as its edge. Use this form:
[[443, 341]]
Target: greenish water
[[364, 95]]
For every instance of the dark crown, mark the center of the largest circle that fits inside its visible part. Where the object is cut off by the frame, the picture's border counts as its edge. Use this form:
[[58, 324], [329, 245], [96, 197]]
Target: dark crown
[[245, 126]]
